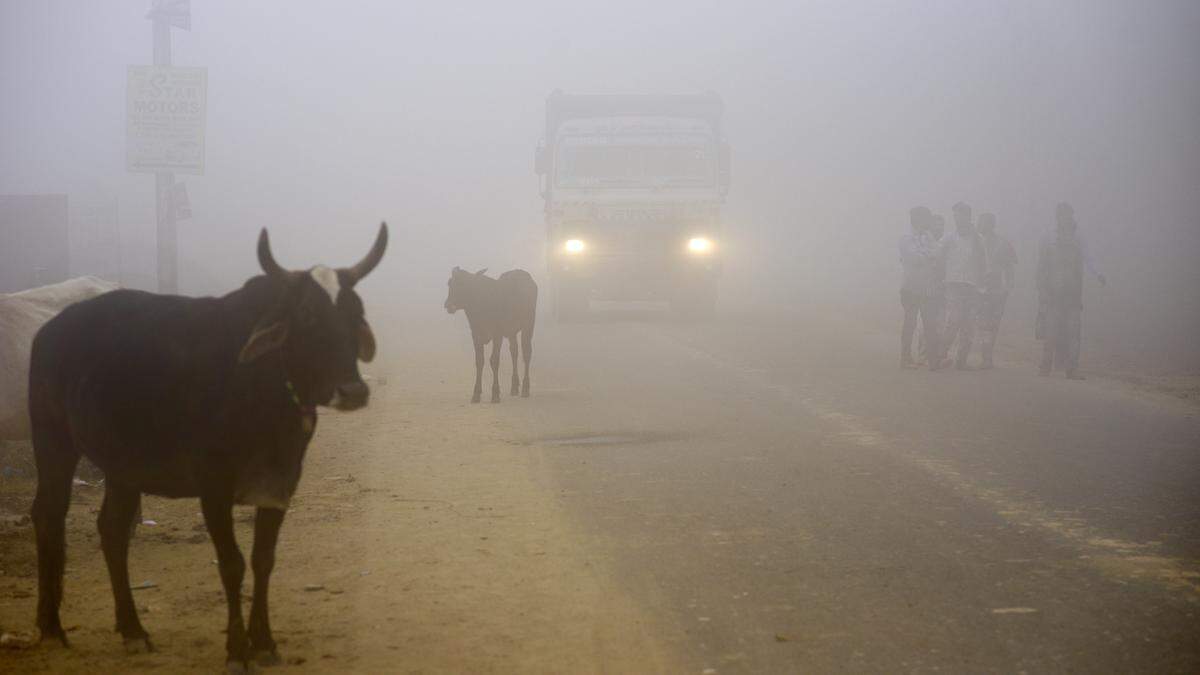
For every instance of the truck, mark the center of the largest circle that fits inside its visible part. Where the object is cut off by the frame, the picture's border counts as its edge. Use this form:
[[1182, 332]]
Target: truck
[[633, 187]]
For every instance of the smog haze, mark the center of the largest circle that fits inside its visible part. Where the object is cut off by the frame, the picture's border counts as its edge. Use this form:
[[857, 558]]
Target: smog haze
[[617, 388], [840, 116]]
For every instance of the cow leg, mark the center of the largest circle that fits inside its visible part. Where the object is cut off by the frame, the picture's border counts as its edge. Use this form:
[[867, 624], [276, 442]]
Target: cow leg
[[218, 517], [116, 514], [527, 350], [56, 459], [516, 375], [496, 344], [478, 372], [262, 561]]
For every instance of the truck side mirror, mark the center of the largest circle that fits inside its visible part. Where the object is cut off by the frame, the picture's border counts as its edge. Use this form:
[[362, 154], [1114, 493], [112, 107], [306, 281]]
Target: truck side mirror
[[539, 160], [724, 161]]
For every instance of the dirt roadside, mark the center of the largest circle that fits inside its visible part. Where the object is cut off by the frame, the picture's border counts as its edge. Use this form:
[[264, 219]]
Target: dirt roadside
[[1015, 349], [419, 541]]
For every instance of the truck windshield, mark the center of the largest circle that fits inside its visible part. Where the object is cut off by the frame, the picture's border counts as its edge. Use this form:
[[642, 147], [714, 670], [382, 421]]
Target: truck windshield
[[628, 165]]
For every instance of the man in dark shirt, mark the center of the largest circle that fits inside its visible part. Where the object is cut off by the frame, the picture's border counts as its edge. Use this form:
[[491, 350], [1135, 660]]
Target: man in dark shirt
[[997, 282], [1061, 262]]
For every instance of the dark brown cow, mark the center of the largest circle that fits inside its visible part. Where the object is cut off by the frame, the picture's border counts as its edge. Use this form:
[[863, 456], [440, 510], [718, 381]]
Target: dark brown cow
[[193, 397]]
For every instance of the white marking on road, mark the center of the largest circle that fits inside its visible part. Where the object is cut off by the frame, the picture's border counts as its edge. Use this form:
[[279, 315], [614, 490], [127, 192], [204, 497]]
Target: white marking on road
[[328, 280], [1014, 610], [1117, 558]]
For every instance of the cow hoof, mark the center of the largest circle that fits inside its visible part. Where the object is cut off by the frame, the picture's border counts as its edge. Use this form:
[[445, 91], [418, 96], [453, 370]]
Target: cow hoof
[[515, 392], [138, 645], [525, 394], [475, 398], [55, 640], [240, 668], [267, 658], [495, 398]]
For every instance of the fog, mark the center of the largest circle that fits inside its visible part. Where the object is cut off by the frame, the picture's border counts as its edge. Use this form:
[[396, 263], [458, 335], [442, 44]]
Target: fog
[[323, 121], [741, 479]]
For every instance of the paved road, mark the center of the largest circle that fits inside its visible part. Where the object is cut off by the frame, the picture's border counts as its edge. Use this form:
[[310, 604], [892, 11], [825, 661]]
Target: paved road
[[794, 502], [757, 494]]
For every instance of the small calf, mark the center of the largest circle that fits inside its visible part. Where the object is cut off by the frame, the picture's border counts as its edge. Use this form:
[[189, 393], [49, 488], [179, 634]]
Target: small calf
[[496, 309]]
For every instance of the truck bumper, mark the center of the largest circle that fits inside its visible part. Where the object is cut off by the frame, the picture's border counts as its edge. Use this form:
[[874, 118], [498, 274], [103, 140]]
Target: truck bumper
[[627, 278]]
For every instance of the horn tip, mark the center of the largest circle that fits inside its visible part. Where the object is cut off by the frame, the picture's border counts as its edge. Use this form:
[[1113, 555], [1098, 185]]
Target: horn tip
[[383, 233]]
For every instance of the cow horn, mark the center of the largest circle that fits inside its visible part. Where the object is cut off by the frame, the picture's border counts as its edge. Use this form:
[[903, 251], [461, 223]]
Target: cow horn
[[265, 259], [364, 266]]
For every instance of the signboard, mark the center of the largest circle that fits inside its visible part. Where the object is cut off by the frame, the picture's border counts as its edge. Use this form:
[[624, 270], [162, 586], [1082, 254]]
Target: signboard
[[165, 119], [177, 13]]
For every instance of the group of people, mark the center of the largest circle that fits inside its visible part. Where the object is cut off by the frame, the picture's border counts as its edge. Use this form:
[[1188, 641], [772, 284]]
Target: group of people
[[958, 283]]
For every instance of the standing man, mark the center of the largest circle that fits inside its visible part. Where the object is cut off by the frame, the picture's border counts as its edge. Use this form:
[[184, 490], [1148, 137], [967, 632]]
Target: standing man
[[997, 282], [964, 279], [1061, 261], [937, 232], [917, 285]]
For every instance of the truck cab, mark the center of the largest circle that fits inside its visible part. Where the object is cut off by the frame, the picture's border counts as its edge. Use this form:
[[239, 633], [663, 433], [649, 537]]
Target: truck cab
[[633, 188]]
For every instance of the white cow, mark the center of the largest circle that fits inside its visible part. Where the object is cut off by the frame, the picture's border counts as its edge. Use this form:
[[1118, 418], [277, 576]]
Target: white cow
[[21, 315]]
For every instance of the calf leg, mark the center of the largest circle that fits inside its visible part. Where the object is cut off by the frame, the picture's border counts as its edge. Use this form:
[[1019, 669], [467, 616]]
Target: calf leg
[[478, 372], [218, 516], [516, 375], [527, 349], [116, 514], [496, 344], [56, 459], [262, 561]]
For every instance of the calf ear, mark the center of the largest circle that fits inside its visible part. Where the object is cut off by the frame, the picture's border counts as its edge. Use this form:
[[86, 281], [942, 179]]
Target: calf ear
[[264, 339], [366, 342]]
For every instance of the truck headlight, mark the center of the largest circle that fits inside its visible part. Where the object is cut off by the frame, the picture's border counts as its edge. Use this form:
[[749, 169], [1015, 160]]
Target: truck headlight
[[700, 246], [574, 246]]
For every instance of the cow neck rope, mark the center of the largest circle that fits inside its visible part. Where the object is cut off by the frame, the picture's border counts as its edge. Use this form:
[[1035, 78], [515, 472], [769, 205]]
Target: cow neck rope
[[308, 413]]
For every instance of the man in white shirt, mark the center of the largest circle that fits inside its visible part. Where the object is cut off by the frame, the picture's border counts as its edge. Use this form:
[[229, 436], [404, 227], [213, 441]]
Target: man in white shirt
[[917, 285], [935, 237], [965, 266]]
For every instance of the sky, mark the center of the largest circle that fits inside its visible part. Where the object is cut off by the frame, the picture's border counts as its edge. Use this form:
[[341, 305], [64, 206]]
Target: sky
[[325, 118]]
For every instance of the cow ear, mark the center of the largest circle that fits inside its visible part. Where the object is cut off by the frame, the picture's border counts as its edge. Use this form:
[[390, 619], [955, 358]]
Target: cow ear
[[481, 272], [264, 339], [366, 342]]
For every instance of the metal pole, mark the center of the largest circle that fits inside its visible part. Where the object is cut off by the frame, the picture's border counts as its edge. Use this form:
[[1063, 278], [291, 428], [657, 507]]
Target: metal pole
[[117, 225], [164, 181]]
